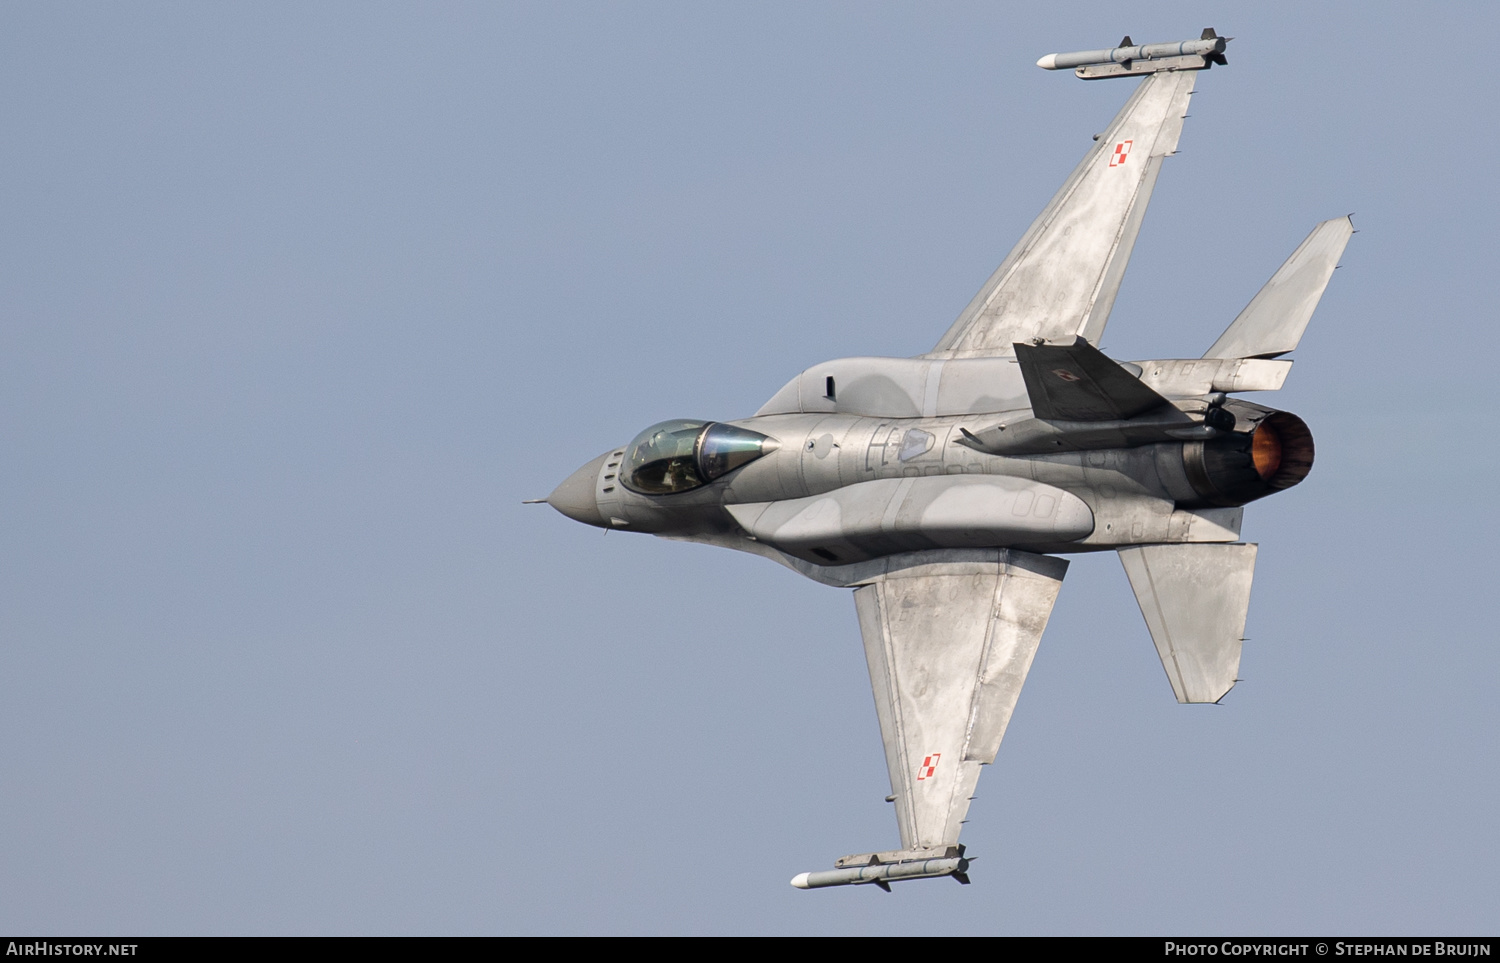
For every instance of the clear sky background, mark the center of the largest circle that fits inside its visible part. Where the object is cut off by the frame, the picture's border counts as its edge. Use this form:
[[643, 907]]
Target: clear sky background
[[300, 301]]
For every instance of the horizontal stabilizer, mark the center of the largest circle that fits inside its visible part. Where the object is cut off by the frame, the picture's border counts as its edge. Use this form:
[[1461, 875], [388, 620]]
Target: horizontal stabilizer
[[1078, 382], [1194, 598], [1273, 322]]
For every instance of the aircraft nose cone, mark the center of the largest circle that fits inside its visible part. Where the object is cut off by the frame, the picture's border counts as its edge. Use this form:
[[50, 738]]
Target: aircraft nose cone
[[575, 496]]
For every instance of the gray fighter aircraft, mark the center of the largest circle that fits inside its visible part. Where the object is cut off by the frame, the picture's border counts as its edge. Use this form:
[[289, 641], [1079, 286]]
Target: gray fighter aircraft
[[942, 488]]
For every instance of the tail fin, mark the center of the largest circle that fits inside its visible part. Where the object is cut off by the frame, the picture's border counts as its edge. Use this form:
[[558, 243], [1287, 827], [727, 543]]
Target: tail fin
[[1078, 382], [1273, 322]]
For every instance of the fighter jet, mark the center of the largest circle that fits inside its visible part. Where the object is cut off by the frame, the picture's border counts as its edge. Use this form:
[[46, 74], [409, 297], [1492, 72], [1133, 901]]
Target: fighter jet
[[943, 488]]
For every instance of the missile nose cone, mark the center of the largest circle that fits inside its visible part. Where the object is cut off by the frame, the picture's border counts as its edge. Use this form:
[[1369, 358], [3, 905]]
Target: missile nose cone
[[1048, 62], [800, 880], [575, 496]]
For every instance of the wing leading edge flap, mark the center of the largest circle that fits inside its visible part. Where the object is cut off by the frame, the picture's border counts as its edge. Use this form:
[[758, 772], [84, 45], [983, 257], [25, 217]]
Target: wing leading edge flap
[[1061, 278], [1078, 382], [1194, 598], [949, 644]]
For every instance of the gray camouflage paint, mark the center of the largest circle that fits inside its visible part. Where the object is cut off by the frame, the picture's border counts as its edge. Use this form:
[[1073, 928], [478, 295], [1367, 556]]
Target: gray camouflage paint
[[933, 488]]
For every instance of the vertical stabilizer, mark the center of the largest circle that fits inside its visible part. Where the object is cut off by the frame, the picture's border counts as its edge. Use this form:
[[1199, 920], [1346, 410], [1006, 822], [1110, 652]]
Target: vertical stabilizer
[[1194, 598]]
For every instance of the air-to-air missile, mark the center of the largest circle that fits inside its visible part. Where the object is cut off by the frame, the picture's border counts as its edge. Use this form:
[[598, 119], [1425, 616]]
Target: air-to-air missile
[[1134, 60], [884, 874]]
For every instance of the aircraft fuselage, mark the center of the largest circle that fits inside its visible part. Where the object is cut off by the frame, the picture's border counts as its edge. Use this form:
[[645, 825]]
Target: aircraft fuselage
[[838, 487]]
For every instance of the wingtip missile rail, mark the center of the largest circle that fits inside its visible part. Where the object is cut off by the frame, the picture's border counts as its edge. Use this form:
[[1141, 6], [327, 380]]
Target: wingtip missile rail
[[1135, 60]]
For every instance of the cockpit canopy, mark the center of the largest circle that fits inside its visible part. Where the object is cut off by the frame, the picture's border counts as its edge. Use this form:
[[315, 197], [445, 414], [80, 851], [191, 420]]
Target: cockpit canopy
[[677, 456]]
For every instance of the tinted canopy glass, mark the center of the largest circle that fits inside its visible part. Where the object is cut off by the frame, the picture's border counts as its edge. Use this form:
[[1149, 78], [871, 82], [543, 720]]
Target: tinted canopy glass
[[723, 448], [661, 460], [677, 456]]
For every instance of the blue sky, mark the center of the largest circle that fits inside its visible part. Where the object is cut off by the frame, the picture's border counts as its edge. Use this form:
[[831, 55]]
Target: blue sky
[[300, 301]]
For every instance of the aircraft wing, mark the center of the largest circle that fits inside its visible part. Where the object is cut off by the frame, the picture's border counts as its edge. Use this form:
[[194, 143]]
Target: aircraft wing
[[949, 637], [1060, 281]]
